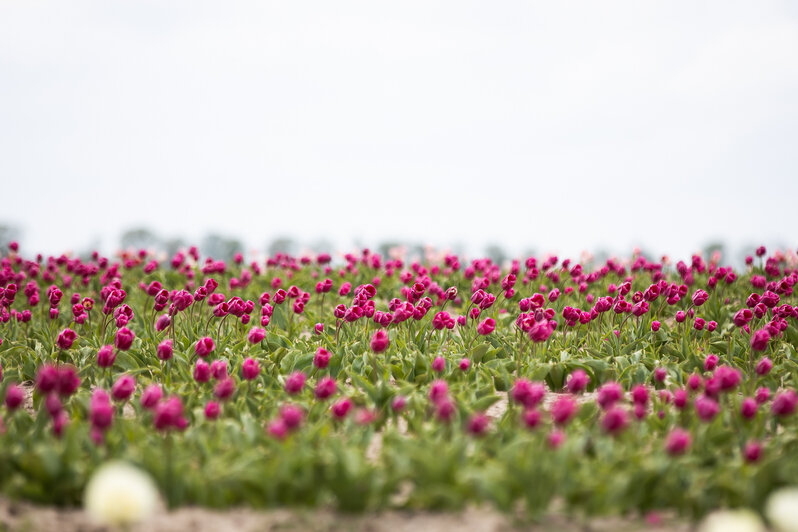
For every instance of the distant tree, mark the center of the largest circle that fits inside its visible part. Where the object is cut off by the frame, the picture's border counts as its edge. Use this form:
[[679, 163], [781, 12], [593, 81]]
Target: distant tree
[[600, 256], [458, 248], [322, 245], [139, 238], [644, 252], [747, 248], [282, 244], [93, 245], [495, 253], [712, 247], [220, 247], [173, 245], [415, 251], [529, 252], [8, 234], [384, 248]]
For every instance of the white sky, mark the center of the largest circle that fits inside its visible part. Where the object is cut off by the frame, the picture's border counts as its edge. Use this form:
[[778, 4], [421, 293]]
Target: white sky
[[555, 126]]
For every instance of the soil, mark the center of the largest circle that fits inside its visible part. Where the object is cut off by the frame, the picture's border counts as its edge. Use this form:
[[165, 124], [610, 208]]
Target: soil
[[20, 516]]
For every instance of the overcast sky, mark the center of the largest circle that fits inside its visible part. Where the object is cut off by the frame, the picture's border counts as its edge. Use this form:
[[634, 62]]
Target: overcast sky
[[554, 126]]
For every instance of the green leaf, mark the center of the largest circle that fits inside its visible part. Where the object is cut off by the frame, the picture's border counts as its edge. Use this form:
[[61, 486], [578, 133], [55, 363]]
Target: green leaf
[[484, 403], [478, 352]]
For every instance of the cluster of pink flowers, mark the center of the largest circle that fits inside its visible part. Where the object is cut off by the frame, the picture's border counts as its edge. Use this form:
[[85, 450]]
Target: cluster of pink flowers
[[541, 303]]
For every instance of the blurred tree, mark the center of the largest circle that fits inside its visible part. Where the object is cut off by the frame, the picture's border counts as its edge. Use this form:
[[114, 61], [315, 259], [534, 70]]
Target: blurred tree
[[600, 257], [281, 244], [646, 253], [139, 238], [748, 248], [458, 248], [8, 234], [322, 245], [712, 247], [415, 252], [384, 248], [173, 245], [95, 244], [529, 252], [495, 253], [220, 247]]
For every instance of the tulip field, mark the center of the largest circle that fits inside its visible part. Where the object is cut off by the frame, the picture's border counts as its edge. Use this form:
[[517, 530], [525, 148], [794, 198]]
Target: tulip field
[[360, 382]]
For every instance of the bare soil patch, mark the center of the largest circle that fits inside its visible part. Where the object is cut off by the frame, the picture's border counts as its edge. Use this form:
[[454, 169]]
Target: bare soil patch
[[20, 516]]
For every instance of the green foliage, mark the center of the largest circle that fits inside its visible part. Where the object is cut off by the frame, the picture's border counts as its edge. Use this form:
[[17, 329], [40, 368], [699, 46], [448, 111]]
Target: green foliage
[[378, 457]]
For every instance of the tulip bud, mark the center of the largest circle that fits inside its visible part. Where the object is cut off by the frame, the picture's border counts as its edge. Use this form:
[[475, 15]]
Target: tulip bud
[[123, 388], [164, 350], [106, 356]]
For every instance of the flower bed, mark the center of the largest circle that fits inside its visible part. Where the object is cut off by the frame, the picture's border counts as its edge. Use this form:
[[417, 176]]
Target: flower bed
[[630, 387]]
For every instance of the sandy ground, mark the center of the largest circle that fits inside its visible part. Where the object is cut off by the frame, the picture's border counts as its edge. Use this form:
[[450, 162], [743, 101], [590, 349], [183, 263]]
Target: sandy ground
[[18, 516]]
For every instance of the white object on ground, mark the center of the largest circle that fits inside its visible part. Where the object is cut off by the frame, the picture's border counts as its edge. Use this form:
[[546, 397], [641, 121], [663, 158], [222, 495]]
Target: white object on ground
[[120, 494]]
